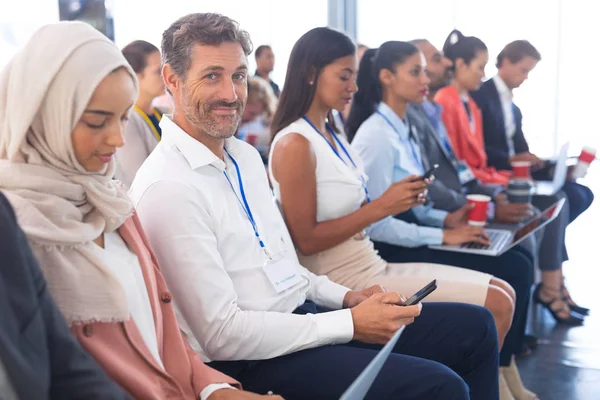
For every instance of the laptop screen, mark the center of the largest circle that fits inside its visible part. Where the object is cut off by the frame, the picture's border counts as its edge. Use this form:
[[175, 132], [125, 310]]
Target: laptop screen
[[537, 221]]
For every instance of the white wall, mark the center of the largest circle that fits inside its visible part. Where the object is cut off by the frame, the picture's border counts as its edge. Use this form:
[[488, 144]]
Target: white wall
[[19, 20], [555, 101], [274, 22]]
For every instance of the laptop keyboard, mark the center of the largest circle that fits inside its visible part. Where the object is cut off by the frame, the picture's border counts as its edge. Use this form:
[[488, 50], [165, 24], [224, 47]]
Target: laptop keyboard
[[494, 237]]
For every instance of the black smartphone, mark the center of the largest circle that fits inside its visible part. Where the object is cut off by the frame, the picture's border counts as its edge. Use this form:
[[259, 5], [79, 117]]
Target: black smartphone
[[430, 172], [421, 294]]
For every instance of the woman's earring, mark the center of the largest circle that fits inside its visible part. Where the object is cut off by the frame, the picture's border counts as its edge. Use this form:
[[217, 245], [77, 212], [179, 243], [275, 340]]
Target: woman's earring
[[311, 83]]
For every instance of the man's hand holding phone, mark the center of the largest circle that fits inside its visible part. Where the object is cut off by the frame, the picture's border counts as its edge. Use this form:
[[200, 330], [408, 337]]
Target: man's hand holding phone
[[355, 297], [379, 317]]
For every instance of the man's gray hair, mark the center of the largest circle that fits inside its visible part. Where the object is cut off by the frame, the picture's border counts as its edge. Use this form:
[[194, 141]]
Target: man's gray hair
[[200, 28]]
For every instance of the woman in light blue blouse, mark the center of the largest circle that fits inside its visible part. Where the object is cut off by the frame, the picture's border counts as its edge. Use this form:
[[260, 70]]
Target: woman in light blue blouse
[[389, 79]]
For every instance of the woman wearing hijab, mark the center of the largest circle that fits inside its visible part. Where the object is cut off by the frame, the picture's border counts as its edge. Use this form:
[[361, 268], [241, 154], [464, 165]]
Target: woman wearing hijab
[[64, 102]]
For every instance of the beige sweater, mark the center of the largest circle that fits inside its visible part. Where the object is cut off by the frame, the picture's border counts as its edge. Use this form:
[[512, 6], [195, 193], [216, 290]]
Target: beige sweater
[[139, 143]]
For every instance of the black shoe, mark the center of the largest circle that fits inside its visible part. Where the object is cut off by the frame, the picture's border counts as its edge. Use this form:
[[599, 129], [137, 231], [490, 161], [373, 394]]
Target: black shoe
[[524, 351], [529, 344], [560, 307], [531, 341], [574, 307], [578, 309]]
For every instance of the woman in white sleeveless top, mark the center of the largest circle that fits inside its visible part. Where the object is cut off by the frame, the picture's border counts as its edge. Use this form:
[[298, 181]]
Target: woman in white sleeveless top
[[318, 181], [354, 262], [320, 184]]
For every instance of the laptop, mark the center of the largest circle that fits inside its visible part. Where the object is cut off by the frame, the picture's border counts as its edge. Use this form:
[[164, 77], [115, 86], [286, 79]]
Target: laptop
[[550, 188], [361, 385], [502, 239]]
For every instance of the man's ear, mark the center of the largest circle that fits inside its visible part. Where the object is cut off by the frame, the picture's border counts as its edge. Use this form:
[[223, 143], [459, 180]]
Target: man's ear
[[170, 78]]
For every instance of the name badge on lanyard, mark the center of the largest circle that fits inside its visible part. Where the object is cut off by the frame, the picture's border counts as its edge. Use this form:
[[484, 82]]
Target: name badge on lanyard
[[281, 271], [465, 174]]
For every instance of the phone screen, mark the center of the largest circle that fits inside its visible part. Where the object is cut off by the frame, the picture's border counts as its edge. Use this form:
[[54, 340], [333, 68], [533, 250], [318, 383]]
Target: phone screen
[[421, 294], [430, 172]]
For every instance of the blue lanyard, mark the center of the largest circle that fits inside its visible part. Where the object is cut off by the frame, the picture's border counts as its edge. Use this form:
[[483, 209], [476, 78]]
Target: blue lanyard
[[339, 142], [412, 147], [243, 202], [446, 142]]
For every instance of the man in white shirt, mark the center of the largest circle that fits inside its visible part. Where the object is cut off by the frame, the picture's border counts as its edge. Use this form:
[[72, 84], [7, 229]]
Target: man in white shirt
[[505, 141], [243, 301]]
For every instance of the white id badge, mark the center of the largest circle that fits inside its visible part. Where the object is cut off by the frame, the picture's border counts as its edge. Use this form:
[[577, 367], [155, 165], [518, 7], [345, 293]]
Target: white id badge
[[282, 272], [465, 175]]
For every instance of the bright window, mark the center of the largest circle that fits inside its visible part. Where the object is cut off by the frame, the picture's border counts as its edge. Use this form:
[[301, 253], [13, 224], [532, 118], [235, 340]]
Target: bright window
[[18, 23], [551, 100]]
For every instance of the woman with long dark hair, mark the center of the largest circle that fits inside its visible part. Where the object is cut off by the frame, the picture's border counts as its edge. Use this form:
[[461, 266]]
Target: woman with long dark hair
[[319, 182], [389, 79]]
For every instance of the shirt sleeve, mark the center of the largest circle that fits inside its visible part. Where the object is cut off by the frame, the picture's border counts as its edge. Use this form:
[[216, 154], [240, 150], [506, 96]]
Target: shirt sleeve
[[324, 292], [188, 252], [213, 387], [379, 158], [429, 216]]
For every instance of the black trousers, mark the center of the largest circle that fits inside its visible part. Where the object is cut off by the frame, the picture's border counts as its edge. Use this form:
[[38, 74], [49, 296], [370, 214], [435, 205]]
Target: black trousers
[[449, 353], [580, 198], [553, 248], [515, 267]]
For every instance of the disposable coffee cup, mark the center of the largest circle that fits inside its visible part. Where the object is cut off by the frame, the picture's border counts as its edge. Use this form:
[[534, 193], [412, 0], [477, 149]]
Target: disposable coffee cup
[[519, 191], [479, 213], [521, 169], [588, 154]]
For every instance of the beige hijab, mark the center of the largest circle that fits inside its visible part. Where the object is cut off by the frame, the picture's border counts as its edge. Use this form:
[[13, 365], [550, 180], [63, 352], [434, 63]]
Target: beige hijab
[[61, 207]]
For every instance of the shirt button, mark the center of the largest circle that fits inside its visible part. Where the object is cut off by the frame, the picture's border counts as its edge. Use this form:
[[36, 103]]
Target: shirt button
[[166, 297], [88, 330]]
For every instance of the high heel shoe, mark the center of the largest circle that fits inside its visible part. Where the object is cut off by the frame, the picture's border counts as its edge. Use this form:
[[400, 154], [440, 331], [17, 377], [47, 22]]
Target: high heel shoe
[[558, 308], [515, 384], [529, 344], [572, 305]]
